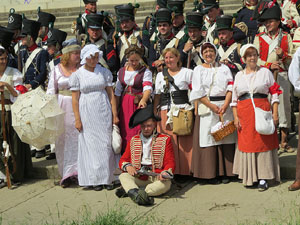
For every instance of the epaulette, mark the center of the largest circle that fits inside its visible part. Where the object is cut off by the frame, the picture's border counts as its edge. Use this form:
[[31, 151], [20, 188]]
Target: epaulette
[[260, 34], [294, 1]]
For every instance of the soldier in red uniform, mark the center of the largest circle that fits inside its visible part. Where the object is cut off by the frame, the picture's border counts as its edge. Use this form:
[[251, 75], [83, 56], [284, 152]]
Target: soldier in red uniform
[[274, 46], [151, 152]]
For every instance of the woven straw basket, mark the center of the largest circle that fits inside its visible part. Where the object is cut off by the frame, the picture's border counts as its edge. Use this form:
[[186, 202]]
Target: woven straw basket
[[224, 131]]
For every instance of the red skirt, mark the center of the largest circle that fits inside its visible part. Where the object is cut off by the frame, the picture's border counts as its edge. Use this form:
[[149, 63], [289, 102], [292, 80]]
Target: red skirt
[[127, 109], [248, 138]]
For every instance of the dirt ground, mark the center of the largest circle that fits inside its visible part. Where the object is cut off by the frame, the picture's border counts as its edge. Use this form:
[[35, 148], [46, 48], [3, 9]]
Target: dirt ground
[[40, 201]]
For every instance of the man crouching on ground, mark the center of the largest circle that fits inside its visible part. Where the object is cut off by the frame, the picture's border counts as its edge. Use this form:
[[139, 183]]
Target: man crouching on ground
[[148, 160]]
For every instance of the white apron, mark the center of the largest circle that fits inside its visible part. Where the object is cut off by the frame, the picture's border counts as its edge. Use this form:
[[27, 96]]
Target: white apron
[[208, 121]]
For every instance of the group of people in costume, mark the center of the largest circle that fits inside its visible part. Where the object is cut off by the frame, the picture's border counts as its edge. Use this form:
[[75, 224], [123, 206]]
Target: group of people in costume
[[201, 64]]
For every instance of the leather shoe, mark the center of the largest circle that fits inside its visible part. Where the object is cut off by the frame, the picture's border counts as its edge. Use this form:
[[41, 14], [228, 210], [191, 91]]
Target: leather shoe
[[98, 188], [140, 197], [121, 193], [33, 152], [295, 186], [51, 156], [2, 183], [109, 187], [40, 154]]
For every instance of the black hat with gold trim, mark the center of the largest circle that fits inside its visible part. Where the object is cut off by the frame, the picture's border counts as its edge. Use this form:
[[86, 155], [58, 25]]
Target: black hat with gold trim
[[141, 115]]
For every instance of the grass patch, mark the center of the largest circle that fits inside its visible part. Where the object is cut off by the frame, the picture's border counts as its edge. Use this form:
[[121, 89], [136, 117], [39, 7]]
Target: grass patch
[[114, 216]]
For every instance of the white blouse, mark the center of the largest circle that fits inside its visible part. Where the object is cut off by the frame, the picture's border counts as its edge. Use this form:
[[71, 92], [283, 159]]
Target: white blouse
[[294, 71], [203, 79], [183, 80], [129, 80], [14, 78], [261, 81]]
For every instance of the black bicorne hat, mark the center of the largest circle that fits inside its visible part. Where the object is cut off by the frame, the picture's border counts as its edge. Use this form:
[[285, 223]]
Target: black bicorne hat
[[31, 27], [224, 22], [14, 20], [56, 36], [164, 15], [89, 1], [126, 11], [95, 21], [46, 19], [141, 115], [176, 6], [6, 36], [267, 9], [194, 20]]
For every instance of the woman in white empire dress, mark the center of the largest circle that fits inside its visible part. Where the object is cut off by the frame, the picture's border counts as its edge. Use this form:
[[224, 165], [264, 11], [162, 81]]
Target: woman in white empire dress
[[95, 111]]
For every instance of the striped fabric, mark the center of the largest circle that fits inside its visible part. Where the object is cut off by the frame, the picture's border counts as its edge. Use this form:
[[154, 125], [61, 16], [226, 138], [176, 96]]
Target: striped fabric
[[96, 160]]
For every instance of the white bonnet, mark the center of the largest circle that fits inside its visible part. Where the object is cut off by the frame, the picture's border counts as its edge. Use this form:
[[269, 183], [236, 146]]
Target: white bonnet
[[216, 50], [88, 51], [244, 49]]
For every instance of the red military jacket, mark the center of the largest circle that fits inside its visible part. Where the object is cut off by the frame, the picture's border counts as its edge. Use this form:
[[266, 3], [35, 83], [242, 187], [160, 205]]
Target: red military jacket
[[162, 154], [267, 45]]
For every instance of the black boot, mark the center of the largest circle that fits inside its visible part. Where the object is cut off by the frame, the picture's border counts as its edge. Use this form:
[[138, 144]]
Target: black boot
[[51, 156], [140, 197], [121, 193], [40, 154], [33, 152]]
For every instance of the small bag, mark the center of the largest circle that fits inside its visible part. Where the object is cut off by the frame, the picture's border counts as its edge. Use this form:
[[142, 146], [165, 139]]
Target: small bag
[[264, 123], [183, 123], [116, 140]]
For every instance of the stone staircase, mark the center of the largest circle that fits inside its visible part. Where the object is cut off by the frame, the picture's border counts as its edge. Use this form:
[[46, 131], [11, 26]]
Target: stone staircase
[[67, 11]]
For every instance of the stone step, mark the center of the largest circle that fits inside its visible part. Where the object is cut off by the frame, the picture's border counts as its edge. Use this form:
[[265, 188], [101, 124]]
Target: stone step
[[67, 13], [48, 169], [23, 5], [144, 8]]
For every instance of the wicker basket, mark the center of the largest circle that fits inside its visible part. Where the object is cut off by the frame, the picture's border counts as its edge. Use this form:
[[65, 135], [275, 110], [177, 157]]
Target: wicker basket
[[224, 131]]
